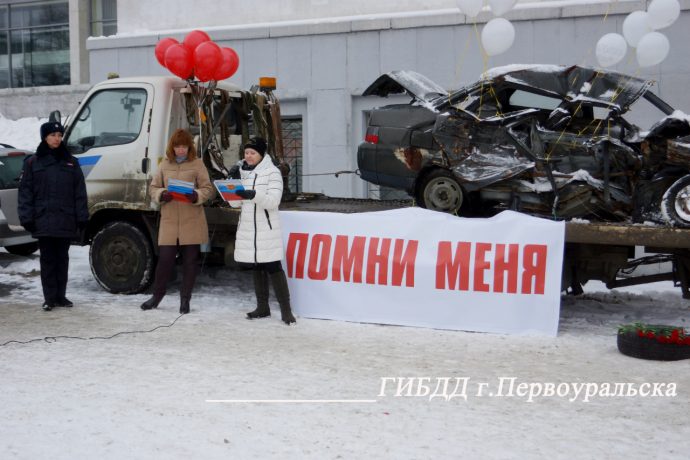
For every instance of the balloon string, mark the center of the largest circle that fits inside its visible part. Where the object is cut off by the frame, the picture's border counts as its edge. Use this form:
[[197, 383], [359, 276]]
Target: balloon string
[[579, 106], [485, 59], [461, 61]]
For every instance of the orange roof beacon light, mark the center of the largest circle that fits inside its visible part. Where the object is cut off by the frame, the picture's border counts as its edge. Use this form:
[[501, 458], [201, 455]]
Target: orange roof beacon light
[[268, 83]]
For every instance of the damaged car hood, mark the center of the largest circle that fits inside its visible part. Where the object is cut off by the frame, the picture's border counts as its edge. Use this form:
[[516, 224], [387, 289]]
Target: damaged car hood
[[405, 81]]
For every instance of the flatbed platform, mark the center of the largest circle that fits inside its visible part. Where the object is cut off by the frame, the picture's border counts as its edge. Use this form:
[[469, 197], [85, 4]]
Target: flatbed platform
[[605, 233], [620, 234]]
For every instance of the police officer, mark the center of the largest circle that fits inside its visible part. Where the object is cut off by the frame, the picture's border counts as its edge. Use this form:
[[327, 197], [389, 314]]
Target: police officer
[[53, 207]]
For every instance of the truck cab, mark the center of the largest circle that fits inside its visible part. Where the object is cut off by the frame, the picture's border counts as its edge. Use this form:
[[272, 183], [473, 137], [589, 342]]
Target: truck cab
[[119, 135]]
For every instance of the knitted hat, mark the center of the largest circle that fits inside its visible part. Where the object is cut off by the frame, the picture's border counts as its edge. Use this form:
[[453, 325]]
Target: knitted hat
[[50, 128], [258, 144]]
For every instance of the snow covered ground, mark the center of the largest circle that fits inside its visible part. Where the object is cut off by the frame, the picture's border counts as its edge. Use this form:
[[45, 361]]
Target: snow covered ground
[[145, 395]]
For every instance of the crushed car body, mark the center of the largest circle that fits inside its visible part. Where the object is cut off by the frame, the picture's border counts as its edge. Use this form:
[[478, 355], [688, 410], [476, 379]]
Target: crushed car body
[[542, 139]]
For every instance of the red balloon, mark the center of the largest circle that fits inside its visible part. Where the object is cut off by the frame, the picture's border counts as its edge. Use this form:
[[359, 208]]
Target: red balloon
[[207, 58], [194, 39], [161, 47], [179, 61], [227, 68]]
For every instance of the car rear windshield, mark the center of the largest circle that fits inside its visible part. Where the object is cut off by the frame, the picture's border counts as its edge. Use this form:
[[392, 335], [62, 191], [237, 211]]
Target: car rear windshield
[[10, 170]]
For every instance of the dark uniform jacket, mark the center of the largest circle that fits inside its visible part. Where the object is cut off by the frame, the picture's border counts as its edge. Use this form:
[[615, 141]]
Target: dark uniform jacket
[[52, 194]]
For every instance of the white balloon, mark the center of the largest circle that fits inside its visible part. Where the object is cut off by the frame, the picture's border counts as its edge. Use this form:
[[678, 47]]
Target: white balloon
[[470, 8], [611, 49], [635, 26], [663, 13], [501, 7], [652, 49], [497, 36]]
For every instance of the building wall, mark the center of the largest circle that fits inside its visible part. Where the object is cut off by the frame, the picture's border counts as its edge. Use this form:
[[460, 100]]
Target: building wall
[[79, 30], [135, 16], [322, 67], [40, 101]]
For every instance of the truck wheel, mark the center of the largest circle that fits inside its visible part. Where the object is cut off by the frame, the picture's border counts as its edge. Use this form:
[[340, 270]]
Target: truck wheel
[[440, 191], [122, 258], [25, 249], [675, 204]]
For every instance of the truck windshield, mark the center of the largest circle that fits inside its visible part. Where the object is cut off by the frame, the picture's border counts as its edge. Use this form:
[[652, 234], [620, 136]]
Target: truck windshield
[[110, 117]]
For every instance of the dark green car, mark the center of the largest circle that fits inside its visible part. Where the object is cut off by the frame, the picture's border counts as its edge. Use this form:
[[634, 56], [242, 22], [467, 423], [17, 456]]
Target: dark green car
[[547, 140]]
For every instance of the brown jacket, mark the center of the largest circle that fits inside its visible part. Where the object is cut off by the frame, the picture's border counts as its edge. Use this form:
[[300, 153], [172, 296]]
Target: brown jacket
[[181, 221]]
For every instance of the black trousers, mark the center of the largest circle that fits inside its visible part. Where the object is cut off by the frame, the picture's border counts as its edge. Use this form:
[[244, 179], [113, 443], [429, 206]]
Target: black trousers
[[268, 267], [54, 266]]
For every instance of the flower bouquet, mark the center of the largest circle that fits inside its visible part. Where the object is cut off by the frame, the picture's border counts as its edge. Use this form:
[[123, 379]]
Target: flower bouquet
[[654, 341]]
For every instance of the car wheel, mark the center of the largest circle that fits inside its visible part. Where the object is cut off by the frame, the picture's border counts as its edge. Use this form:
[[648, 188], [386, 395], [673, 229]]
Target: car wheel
[[440, 191], [675, 204], [25, 249], [121, 258]]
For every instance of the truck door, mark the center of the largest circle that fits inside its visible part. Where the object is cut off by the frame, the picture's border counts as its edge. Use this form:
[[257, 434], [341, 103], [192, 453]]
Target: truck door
[[110, 136]]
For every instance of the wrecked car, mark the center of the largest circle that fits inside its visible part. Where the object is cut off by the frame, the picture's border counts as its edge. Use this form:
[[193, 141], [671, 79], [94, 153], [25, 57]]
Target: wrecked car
[[546, 140]]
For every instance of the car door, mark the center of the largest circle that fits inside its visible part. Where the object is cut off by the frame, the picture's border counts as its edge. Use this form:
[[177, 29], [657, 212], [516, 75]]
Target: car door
[[110, 136], [11, 163]]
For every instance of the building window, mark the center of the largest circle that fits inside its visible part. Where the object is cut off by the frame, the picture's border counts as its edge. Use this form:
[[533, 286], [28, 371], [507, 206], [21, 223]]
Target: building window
[[34, 44], [103, 17], [292, 146]]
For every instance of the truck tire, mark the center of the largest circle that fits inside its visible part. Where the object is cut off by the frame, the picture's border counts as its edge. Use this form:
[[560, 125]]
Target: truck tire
[[122, 258], [675, 204], [440, 191], [25, 249]]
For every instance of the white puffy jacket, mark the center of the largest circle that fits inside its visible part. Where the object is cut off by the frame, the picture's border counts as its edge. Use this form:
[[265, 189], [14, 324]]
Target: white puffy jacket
[[259, 238]]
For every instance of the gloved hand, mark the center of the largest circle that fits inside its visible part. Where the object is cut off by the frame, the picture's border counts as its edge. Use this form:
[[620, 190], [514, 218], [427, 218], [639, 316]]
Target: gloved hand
[[166, 196], [246, 194], [192, 197], [234, 172], [29, 226]]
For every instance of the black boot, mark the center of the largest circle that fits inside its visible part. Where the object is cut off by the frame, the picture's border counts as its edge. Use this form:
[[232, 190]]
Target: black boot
[[280, 287], [64, 302], [190, 268], [261, 291], [184, 305], [152, 302], [164, 269]]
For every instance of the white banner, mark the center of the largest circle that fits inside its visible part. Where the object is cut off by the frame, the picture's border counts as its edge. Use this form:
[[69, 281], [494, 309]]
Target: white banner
[[416, 267]]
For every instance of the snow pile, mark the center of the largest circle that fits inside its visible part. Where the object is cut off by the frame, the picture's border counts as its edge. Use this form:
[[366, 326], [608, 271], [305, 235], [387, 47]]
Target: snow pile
[[22, 133], [495, 72], [678, 115]]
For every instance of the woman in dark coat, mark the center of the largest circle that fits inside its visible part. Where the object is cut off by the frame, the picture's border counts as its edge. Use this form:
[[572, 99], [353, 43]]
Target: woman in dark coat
[[52, 205]]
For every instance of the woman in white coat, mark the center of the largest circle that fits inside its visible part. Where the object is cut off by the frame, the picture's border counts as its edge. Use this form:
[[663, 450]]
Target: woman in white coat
[[259, 241]]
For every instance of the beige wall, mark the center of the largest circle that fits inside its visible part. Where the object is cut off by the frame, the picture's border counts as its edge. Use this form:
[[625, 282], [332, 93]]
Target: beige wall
[[135, 16]]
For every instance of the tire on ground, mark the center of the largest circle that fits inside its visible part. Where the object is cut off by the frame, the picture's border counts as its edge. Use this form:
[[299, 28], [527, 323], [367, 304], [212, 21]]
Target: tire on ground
[[25, 249], [122, 258], [630, 344]]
